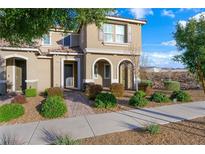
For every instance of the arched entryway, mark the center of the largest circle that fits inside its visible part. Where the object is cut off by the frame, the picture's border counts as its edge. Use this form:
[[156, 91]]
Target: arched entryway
[[16, 72], [126, 74], [102, 72]]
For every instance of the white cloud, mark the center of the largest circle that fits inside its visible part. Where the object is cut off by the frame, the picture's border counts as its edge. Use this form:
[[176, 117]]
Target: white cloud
[[168, 13], [182, 23], [141, 13], [190, 9], [169, 43], [160, 59], [196, 17]]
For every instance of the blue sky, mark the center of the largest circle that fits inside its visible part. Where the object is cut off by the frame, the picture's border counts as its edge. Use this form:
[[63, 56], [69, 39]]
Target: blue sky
[[157, 35]]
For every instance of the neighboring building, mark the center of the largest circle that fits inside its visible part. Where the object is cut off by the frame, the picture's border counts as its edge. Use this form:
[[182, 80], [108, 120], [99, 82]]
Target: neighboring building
[[68, 60], [159, 69]]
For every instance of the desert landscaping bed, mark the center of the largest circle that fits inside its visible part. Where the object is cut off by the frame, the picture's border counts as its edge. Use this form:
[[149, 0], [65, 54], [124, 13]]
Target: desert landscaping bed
[[196, 95], [185, 132], [31, 112]]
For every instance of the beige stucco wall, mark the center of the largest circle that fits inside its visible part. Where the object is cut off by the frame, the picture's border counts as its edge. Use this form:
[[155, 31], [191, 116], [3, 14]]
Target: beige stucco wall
[[56, 41], [114, 60], [92, 37], [37, 69]]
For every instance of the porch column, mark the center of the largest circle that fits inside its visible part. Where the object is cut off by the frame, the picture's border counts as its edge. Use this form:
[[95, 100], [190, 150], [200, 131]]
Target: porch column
[[79, 73]]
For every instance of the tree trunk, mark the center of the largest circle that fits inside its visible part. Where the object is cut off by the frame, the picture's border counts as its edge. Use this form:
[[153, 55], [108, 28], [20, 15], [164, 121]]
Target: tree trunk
[[203, 85], [201, 78]]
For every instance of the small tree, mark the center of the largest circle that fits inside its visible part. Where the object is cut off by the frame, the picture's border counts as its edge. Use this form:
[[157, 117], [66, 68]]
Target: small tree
[[135, 62], [190, 39], [22, 26]]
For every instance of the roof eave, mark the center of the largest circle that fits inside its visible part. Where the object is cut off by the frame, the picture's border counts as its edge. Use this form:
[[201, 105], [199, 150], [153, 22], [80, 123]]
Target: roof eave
[[127, 20]]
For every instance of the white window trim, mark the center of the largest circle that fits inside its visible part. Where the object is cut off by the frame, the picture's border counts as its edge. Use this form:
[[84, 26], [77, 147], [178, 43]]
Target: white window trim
[[113, 42], [105, 71], [49, 39], [96, 77]]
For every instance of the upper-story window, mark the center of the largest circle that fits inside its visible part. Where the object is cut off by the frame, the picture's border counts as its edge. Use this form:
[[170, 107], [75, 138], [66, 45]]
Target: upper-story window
[[108, 32], [114, 33], [119, 33], [47, 39]]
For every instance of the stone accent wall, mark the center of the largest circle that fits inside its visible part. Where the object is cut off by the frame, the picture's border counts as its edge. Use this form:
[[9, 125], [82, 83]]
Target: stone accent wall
[[186, 79]]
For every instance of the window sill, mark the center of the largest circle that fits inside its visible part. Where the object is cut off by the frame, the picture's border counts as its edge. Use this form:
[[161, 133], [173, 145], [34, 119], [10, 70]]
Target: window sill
[[115, 44]]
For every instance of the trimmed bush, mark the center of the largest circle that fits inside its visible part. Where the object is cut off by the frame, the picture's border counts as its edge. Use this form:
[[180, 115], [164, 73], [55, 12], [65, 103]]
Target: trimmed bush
[[172, 85], [140, 93], [146, 86], [105, 100], [137, 101], [53, 107], [31, 92], [159, 97], [181, 96], [55, 91], [117, 89], [20, 99], [146, 82], [94, 90], [45, 93], [10, 111], [153, 129], [86, 86]]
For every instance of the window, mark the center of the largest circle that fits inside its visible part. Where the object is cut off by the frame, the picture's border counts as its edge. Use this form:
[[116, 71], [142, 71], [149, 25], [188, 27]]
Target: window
[[47, 39], [107, 71], [108, 32], [96, 71], [66, 41], [120, 34], [114, 33]]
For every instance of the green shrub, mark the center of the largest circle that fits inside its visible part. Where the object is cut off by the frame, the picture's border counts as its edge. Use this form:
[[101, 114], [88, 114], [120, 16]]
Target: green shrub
[[65, 140], [117, 89], [172, 85], [140, 93], [159, 97], [146, 82], [31, 92], [45, 93], [55, 91], [181, 96], [146, 86], [153, 129], [138, 101], [94, 90], [10, 111], [53, 107], [105, 100]]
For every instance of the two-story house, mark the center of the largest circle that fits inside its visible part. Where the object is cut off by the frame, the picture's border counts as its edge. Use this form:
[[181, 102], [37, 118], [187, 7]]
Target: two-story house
[[105, 55]]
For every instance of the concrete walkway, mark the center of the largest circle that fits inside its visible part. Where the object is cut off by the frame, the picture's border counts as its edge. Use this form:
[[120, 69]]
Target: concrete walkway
[[99, 124]]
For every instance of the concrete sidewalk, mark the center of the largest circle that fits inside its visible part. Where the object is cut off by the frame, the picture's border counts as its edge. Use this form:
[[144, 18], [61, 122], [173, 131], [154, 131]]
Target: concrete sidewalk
[[99, 124]]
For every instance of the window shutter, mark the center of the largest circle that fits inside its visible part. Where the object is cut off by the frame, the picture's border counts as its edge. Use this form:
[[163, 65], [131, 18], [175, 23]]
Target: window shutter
[[101, 37], [129, 33]]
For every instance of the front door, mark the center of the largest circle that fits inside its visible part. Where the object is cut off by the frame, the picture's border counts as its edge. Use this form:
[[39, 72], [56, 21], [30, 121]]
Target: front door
[[126, 75], [20, 75], [68, 75]]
